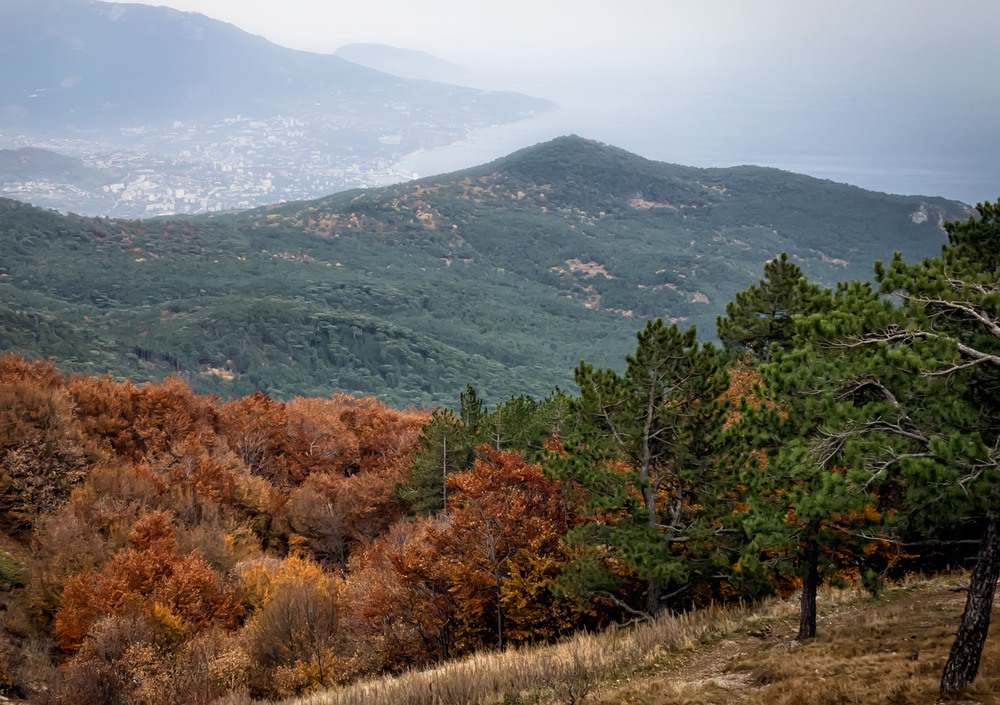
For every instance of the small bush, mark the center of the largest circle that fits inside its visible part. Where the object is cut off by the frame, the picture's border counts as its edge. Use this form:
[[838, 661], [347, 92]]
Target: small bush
[[10, 572]]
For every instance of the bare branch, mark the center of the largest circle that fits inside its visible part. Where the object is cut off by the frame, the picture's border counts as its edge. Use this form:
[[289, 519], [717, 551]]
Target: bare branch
[[639, 615], [867, 381], [970, 310], [959, 285], [894, 334]]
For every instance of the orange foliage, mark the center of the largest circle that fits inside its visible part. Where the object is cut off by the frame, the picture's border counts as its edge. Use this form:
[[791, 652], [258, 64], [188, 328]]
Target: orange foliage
[[507, 519], [43, 453], [476, 576], [149, 577], [349, 454], [14, 368], [254, 428], [743, 381], [169, 413], [348, 435], [106, 409], [402, 599]]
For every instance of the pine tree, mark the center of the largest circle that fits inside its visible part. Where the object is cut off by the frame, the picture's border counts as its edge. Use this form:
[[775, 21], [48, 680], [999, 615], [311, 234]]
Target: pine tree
[[523, 424], [910, 396], [801, 508], [643, 448], [472, 410], [446, 446], [760, 318]]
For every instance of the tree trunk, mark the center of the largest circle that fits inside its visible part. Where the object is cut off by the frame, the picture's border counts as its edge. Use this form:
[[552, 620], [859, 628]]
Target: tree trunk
[[444, 470], [653, 593], [807, 614], [653, 590], [963, 661], [499, 625]]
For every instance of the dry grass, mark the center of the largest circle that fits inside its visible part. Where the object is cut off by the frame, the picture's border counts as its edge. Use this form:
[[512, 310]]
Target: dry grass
[[567, 672], [888, 651]]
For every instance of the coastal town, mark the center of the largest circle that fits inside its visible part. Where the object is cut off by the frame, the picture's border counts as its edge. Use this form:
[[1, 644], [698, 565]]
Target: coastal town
[[235, 163]]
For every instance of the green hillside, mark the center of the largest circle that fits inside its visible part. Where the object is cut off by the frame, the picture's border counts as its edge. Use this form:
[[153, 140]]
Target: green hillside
[[502, 276]]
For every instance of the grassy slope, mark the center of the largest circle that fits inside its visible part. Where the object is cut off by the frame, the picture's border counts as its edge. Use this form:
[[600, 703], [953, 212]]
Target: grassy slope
[[503, 276], [875, 651]]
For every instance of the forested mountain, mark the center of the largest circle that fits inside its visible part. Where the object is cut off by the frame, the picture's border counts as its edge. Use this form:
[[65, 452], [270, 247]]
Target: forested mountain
[[502, 276], [161, 546], [95, 66]]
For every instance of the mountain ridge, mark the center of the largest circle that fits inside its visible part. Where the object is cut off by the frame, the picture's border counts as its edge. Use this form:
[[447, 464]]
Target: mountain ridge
[[408, 63], [503, 276], [606, 189], [84, 58]]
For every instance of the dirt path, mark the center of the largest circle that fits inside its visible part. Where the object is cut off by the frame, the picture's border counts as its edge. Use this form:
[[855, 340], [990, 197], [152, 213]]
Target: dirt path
[[705, 678], [891, 651]]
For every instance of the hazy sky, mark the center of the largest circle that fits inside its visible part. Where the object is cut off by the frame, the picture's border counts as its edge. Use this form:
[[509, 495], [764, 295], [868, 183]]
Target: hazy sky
[[891, 94]]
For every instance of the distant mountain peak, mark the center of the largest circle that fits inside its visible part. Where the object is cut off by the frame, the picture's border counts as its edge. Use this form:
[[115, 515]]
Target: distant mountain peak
[[137, 64], [188, 114], [407, 63]]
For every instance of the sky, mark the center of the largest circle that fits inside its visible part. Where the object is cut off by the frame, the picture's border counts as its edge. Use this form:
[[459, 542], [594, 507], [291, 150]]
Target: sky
[[891, 95]]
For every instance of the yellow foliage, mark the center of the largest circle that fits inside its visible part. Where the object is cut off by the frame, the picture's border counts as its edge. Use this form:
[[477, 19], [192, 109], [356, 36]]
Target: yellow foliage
[[242, 543], [263, 579], [256, 581], [169, 625], [319, 672]]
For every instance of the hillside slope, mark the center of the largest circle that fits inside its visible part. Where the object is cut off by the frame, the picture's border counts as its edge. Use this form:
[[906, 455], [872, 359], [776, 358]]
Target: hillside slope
[[503, 276], [624, 234], [881, 651]]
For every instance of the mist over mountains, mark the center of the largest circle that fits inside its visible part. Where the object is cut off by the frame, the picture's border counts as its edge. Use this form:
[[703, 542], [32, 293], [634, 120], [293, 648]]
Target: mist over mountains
[[492, 274], [406, 63], [187, 114]]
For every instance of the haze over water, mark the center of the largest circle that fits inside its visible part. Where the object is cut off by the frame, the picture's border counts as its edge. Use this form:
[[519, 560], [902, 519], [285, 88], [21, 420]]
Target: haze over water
[[890, 96], [898, 155]]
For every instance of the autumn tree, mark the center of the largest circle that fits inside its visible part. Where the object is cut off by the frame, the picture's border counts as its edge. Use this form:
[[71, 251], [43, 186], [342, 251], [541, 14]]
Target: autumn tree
[[181, 594], [476, 575], [502, 550], [318, 440], [402, 598], [293, 624], [42, 374], [106, 409], [254, 429], [168, 413], [43, 452], [353, 453]]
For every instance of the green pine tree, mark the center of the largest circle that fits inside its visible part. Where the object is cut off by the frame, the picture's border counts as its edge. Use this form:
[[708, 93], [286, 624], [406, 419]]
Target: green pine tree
[[472, 410], [801, 508], [761, 318], [446, 446], [523, 424], [643, 448], [909, 400]]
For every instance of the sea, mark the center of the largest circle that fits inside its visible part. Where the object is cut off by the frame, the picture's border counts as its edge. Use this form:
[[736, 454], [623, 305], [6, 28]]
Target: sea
[[889, 153]]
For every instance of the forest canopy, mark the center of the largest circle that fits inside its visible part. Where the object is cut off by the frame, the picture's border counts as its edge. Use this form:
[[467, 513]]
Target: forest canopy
[[275, 547]]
